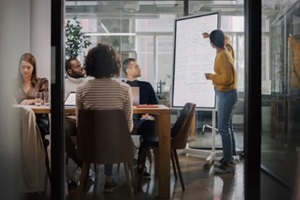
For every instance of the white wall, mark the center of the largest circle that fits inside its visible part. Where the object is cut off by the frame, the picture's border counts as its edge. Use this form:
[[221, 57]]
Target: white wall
[[25, 27], [14, 34], [40, 35]]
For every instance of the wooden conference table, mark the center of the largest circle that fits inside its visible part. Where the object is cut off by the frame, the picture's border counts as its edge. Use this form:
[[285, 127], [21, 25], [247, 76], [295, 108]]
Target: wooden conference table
[[163, 119]]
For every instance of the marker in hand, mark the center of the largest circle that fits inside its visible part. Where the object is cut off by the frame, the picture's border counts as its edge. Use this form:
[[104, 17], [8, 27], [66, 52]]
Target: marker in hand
[[207, 75]]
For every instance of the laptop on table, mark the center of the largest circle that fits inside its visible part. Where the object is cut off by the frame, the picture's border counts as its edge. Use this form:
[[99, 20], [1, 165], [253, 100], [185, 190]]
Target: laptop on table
[[135, 96], [71, 99]]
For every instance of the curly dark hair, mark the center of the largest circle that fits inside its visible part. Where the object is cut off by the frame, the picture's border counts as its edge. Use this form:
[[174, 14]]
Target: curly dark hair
[[68, 64], [102, 61]]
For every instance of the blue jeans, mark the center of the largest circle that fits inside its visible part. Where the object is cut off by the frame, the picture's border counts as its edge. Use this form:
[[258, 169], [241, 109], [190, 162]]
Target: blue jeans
[[225, 106]]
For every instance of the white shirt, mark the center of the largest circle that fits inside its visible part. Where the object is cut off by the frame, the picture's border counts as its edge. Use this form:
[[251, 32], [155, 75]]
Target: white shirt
[[72, 83]]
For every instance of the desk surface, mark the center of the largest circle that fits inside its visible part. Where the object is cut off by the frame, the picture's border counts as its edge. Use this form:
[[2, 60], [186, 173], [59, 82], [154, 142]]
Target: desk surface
[[71, 109]]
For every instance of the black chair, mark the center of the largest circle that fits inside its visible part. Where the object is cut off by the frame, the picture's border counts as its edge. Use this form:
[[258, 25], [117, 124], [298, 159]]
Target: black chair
[[179, 137], [103, 138]]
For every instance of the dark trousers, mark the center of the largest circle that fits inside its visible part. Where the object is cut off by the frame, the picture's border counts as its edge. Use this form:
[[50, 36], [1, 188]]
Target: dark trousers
[[144, 128], [70, 132]]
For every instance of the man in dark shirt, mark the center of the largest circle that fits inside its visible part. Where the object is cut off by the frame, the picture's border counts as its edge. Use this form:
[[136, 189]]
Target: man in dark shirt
[[133, 71], [143, 124]]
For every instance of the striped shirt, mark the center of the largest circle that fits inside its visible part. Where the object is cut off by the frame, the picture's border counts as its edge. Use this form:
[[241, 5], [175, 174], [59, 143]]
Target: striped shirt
[[105, 93]]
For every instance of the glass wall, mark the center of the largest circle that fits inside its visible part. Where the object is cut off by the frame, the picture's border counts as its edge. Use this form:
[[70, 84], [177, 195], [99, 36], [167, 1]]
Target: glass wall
[[152, 32], [281, 90], [147, 34]]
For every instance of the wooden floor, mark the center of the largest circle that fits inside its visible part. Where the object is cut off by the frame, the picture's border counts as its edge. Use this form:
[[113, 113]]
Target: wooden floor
[[201, 183]]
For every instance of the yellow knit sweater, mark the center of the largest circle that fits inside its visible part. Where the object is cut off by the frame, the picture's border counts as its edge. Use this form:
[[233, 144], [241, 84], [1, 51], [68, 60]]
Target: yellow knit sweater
[[225, 78]]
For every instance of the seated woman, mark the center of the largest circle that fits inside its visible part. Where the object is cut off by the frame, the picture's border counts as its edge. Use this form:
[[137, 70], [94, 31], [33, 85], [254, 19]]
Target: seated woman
[[103, 63], [27, 85]]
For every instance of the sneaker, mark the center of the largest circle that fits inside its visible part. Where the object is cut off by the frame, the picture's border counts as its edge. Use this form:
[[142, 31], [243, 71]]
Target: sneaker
[[225, 168], [110, 186], [146, 175], [221, 161]]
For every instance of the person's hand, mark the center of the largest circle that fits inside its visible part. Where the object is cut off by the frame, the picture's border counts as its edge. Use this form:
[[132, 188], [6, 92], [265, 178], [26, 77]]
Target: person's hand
[[27, 102], [84, 72], [207, 75], [147, 116], [205, 35]]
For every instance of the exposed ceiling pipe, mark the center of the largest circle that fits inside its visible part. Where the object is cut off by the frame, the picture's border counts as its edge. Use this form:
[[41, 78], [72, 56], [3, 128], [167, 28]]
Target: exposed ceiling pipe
[[185, 7]]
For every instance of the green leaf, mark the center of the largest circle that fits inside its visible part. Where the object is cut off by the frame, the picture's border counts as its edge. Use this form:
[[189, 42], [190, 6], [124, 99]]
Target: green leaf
[[75, 40]]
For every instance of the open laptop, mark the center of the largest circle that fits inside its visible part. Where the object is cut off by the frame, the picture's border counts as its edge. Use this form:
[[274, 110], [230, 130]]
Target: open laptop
[[135, 96], [71, 99]]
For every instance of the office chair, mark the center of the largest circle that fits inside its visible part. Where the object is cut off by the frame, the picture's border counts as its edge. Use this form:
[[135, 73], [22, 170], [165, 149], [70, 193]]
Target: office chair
[[179, 137]]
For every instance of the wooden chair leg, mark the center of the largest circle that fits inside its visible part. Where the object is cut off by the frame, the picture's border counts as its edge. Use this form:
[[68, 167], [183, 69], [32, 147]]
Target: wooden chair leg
[[133, 176], [126, 168], [83, 180], [96, 179], [179, 169], [173, 164], [47, 163]]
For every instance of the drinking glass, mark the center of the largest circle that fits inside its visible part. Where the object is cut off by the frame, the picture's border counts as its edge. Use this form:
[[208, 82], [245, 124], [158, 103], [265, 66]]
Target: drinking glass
[[38, 98], [46, 96]]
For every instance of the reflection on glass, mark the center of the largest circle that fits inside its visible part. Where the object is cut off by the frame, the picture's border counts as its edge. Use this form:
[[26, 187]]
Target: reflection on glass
[[281, 106]]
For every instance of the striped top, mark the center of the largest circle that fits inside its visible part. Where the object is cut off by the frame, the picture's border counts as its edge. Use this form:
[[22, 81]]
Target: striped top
[[105, 93]]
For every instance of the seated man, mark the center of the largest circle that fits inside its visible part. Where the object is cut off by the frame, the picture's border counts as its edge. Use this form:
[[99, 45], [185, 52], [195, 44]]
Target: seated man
[[143, 124], [75, 76], [132, 71]]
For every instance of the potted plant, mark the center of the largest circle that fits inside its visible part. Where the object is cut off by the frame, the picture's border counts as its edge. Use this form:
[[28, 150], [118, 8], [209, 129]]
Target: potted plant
[[76, 41]]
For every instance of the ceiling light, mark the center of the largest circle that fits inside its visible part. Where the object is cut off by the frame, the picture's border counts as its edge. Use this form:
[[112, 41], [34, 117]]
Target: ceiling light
[[131, 6]]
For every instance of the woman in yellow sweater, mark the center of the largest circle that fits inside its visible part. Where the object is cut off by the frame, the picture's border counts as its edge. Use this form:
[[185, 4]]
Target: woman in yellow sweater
[[224, 80]]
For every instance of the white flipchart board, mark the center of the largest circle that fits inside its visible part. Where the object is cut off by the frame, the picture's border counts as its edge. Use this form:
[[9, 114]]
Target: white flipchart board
[[193, 56]]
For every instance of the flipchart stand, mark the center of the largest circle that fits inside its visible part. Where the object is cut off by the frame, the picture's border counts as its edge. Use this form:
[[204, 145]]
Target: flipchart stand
[[210, 155]]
